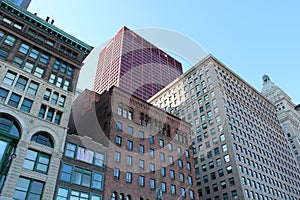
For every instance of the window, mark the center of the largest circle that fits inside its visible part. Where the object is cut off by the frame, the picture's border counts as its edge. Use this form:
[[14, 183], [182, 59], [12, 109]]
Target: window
[[34, 53], [39, 72], [163, 187], [181, 177], [99, 159], [24, 48], [52, 78], [36, 161], [32, 88], [70, 150], [116, 173], [151, 153], [141, 164], [130, 130], [57, 117], [119, 126], [50, 114], [128, 177], [14, 100], [173, 189], [172, 174], [141, 181], [54, 98], [42, 111], [152, 184], [117, 156], [180, 163], [141, 149], [227, 158], [171, 160], [3, 54], [162, 157], [59, 82], [151, 139], [66, 85], [182, 192], [9, 78], [44, 58], [192, 194], [141, 135], [28, 189], [21, 83], [9, 40], [129, 160], [43, 139], [161, 143], [118, 140], [129, 145], [26, 105], [3, 94], [28, 66], [163, 171], [62, 101]]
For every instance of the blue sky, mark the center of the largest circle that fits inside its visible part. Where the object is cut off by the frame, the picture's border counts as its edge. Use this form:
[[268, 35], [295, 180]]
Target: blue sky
[[253, 38]]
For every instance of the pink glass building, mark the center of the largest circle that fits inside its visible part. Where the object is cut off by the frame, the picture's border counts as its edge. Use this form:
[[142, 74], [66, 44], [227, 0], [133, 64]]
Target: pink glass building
[[135, 65]]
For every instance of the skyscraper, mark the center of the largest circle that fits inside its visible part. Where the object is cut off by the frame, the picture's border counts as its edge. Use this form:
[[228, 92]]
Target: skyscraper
[[287, 113], [240, 149], [39, 67], [22, 3], [135, 65]]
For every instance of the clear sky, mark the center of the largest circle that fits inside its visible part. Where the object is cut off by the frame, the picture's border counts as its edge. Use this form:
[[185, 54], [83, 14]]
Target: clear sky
[[253, 38]]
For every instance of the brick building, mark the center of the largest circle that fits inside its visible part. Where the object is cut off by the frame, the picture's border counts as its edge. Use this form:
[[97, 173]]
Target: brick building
[[39, 67], [148, 149]]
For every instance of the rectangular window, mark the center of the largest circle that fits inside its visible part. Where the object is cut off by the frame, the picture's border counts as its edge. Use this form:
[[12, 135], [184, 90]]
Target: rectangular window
[[9, 78], [130, 130], [99, 159], [18, 61], [161, 143], [50, 114], [119, 126], [152, 184], [44, 58], [141, 164], [141, 149], [3, 54], [47, 94], [36, 161], [118, 140], [62, 101], [54, 98], [42, 111], [9, 40], [141, 181], [34, 53], [28, 66], [129, 160], [3, 94], [117, 156], [24, 48], [63, 68], [128, 177], [57, 117], [173, 189], [66, 85], [70, 150], [163, 187], [129, 145], [141, 135], [32, 88], [28, 189], [59, 81], [81, 176], [39, 72], [116, 173], [52, 78], [26, 105], [70, 71], [172, 174], [14, 100]]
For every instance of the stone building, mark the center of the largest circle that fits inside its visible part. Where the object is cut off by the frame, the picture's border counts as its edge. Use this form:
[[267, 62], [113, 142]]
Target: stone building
[[39, 68], [287, 113], [240, 148], [149, 154]]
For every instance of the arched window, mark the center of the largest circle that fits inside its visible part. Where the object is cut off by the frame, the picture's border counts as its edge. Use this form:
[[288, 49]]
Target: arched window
[[121, 196], [128, 197], [43, 138], [114, 196], [9, 126], [10, 133]]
